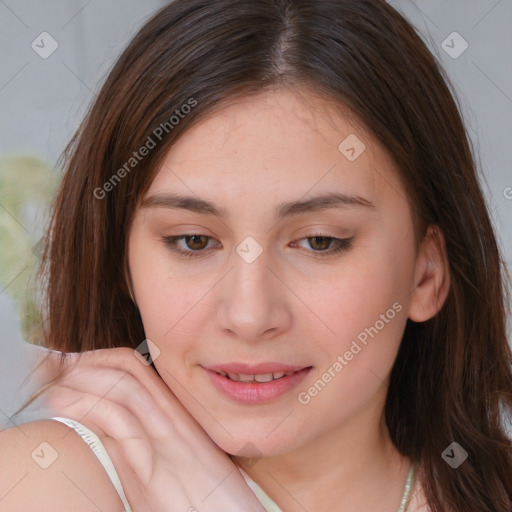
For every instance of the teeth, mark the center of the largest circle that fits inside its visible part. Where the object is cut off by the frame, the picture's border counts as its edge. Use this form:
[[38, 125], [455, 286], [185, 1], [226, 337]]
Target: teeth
[[246, 378], [267, 377]]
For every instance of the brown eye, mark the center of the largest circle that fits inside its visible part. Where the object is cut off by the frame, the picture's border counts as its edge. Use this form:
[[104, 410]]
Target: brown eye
[[320, 243], [196, 242], [189, 246]]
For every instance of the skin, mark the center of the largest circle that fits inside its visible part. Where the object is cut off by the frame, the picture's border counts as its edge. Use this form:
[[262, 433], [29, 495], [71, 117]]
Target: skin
[[64, 485], [287, 306]]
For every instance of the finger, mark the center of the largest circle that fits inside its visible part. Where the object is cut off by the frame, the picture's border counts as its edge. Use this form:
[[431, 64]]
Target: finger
[[124, 389], [174, 440], [178, 438], [101, 414], [47, 365], [109, 420], [123, 358], [132, 454]]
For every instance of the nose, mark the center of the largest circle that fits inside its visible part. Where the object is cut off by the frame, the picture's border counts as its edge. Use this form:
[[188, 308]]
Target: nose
[[253, 303]]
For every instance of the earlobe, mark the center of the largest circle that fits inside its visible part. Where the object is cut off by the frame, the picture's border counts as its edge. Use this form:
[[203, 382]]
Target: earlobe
[[432, 277]]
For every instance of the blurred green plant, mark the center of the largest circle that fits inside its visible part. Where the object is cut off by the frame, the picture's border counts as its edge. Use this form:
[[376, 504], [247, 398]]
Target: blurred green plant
[[27, 187]]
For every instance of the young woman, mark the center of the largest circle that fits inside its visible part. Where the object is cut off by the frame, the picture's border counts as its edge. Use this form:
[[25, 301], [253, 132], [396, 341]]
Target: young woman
[[274, 203]]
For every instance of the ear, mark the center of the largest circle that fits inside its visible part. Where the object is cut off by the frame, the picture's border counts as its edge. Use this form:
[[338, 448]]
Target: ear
[[431, 277]]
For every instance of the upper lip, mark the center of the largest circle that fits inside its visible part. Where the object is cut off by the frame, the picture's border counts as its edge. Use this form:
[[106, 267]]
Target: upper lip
[[255, 369]]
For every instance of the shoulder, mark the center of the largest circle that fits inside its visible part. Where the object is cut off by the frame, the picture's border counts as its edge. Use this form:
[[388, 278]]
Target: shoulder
[[45, 465]]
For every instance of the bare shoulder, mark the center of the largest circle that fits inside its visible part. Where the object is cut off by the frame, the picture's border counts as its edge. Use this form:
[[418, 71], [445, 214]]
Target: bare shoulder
[[45, 465]]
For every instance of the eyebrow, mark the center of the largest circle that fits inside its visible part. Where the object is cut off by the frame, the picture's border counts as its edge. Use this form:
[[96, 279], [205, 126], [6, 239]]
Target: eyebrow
[[287, 209]]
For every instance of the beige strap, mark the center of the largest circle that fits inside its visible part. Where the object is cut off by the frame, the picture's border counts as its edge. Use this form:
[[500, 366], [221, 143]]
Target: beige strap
[[99, 450]]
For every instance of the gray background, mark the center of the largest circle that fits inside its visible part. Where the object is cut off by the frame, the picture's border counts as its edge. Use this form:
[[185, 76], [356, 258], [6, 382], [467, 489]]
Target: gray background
[[43, 100]]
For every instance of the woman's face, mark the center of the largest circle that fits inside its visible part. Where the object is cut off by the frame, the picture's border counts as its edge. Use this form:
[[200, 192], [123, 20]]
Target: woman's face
[[262, 289]]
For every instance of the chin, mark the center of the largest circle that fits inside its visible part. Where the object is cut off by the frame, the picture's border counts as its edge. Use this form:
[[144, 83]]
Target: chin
[[257, 444]]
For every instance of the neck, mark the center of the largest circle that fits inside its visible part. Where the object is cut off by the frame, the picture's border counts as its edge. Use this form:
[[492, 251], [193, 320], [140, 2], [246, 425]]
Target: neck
[[355, 467]]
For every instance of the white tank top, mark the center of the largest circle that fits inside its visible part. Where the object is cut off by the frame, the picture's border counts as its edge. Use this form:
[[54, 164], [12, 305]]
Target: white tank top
[[268, 504]]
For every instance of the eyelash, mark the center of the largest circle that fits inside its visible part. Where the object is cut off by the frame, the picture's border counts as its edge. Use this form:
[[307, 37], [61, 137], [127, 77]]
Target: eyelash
[[341, 244]]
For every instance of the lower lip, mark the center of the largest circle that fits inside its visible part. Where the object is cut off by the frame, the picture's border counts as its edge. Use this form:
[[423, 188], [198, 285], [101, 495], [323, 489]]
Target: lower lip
[[256, 392]]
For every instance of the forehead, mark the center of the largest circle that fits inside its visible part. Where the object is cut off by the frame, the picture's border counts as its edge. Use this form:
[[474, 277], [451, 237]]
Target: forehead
[[278, 145]]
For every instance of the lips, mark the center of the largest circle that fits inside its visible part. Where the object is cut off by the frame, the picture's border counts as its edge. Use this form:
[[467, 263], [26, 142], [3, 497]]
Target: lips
[[263, 372], [253, 384], [255, 369]]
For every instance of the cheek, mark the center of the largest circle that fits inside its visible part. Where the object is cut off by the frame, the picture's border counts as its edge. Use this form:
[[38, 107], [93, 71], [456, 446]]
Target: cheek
[[173, 306], [354, 299], [159, 295], [365, 311], [368, 323]]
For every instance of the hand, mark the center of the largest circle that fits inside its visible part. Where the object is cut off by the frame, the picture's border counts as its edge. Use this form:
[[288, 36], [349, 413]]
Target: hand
[[165, 460]]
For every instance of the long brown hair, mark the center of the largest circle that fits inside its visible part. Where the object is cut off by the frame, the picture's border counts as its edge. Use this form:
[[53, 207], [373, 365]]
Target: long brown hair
[[452, 377]]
